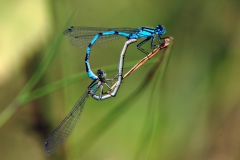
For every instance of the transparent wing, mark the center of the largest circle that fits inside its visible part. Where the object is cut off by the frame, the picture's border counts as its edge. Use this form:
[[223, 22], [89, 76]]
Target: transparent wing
[[79, 36], [61, 133]]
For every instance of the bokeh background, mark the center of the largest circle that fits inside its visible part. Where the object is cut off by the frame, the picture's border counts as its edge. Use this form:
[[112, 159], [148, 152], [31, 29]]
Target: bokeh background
[[192, 112]]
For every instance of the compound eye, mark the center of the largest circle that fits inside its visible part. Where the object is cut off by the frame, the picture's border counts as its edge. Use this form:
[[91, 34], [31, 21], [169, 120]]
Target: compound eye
[[160, 27], [101, 73]]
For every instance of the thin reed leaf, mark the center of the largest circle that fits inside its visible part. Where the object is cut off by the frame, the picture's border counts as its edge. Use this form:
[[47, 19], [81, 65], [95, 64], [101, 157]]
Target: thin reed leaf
[[152, 122]]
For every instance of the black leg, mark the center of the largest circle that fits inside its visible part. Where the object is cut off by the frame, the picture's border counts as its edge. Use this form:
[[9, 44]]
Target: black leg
[[159, 39], [107, 85], [111, 79], [153, 46], [101, 92], [141, 43], [152, 42]]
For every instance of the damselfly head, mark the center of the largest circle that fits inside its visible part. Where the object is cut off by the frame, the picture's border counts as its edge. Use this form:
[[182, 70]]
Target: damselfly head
[[160, 29], [101, 74]]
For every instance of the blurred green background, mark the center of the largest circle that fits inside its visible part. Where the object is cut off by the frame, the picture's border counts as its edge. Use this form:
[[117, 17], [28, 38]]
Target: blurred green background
[[192, 112]]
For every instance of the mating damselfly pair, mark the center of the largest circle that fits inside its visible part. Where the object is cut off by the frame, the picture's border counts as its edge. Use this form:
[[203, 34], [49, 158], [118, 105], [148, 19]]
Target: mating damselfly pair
[[90, 36]]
